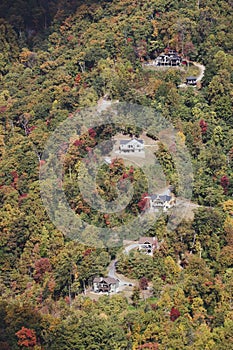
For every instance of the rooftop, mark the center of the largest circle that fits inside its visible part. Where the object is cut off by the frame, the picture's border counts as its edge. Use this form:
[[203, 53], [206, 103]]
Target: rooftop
[[124, 142], [163, 198], [191, 78], [108, 280], [145, 239]]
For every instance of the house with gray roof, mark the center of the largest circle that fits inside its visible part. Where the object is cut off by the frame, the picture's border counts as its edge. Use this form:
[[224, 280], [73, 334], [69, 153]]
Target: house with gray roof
[[105, 285], [131, 146], [191, 81], [160, 201]]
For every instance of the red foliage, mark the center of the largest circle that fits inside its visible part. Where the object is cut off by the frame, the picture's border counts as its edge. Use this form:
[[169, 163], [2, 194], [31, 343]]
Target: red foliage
[[208, 283], [131, 170], [174, 314], [29, 130], [125, 176], [92, 133], [154, 307], [143, 283], [3, 109], [163, 277], [144, 203], [87, 252], [78, 143], [42, 162], [225, 182], [15, 176], [67, 300], [22, 196], [41, 266], [203, 126], [78, 79], [26, 337]]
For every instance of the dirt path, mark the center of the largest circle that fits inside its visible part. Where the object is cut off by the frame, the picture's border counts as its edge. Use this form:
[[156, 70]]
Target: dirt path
[[202, 70]]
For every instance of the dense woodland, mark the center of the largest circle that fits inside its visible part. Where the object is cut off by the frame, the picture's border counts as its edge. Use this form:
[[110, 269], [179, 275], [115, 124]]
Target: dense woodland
[[57, 57]]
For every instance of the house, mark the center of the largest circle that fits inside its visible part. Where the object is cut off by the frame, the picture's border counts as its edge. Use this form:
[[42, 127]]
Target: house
[[160, 201], [133, 145], [107, 160], [168, 59], [191, 81], [105, 285], [147, 245]]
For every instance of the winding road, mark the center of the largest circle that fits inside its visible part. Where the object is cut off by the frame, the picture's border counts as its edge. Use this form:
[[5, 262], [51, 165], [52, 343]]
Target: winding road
[[202, 70], [123, 281]]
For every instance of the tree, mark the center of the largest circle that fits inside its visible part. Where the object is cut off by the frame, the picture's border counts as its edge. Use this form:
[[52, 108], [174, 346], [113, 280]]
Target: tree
[[26, 337], [143, 283], [174, 314], [135, 296], [41, 267]]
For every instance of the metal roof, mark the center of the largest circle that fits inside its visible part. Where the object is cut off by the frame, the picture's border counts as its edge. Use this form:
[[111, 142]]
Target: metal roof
[[163, 198], [108, 280], [124, 142]]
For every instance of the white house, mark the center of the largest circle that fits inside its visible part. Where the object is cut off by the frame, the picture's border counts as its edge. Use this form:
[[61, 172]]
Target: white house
[[161, 201], [131, 146], [105, 284], [147, 245], [168, 59], [107, 160]]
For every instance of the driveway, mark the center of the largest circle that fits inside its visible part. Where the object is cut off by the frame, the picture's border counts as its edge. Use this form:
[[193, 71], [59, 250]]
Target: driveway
[[124, 282]]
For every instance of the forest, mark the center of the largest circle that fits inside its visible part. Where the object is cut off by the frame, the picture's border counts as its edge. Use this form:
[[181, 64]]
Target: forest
[[58, 57]]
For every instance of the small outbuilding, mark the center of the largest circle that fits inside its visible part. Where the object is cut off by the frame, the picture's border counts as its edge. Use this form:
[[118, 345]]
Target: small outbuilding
[[147, 245], [191, 81]]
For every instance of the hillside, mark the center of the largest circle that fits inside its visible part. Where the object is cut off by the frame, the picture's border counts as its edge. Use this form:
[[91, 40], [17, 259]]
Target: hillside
[[57, 59]]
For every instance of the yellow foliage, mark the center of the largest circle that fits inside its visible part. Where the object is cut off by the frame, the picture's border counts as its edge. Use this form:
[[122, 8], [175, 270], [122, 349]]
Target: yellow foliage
[[103, 315], [155, 27], [25, 55], [228, 206], [181, 137]]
